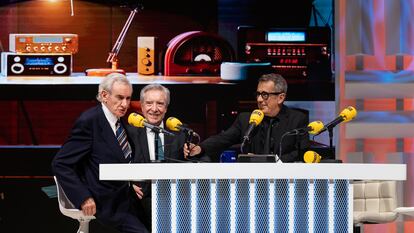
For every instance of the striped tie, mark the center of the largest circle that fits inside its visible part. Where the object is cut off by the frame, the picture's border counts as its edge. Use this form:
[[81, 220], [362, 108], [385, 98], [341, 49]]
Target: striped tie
[[122, 139]]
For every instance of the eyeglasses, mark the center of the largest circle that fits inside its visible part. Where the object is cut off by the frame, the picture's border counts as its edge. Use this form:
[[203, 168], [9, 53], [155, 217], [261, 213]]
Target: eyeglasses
[[265, 95]]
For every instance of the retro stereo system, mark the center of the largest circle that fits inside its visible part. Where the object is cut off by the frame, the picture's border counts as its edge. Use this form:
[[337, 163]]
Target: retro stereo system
[[13, 64], [196, 53], [43, 43], [297, 54], [39, 54]]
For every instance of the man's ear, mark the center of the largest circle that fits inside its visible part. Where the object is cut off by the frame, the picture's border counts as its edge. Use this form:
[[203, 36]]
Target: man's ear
[[281, 98], [104, 96]]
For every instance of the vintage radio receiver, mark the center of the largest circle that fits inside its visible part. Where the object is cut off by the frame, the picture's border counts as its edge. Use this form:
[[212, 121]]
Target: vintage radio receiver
[[196, 53], [297, 54], [40, 64], [43, 43]]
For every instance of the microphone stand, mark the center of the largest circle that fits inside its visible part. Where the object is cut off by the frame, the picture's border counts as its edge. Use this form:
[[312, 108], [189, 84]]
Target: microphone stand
[[331, 149], [189, 138], [298, 144], [245, 139]]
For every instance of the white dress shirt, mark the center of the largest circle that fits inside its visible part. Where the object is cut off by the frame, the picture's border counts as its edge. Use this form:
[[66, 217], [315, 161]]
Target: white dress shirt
[[112, 119]]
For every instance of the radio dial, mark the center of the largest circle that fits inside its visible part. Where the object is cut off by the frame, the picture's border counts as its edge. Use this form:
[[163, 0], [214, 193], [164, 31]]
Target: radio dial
[[49, 48], [28, 48], [64, 48], [35, 48], [57, 48], [42, 48]]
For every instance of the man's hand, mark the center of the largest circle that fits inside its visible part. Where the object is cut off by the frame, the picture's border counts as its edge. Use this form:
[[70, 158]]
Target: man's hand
[[138, 191], [89, 207], [192, 150]]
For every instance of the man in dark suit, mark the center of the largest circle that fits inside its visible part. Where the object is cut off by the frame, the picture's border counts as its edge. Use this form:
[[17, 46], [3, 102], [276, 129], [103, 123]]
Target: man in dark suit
[[266, 137], [100, 136], [153, 146]]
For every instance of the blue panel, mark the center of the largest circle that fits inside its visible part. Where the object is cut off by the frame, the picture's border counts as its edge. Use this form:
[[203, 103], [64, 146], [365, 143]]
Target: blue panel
[[301, 206], [242, 206], [341, 204], [262, 205], [223, 205], [281, 206], [184, 206], [163, 205], [203, 206], [321, 206]]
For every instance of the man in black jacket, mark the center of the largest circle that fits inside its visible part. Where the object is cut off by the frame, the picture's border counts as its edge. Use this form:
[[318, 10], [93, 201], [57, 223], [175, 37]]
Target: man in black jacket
[[100, 136], [153, 146], [266, 137]]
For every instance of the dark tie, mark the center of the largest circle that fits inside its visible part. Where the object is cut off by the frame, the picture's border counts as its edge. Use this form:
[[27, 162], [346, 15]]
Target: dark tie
[[122, 139], [159, 152]]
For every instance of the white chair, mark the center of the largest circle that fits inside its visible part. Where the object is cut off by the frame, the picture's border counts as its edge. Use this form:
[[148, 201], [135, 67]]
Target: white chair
[[376, 202], [68, 209]]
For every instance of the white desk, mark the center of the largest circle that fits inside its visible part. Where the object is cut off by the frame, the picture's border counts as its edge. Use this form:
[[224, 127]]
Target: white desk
[[252, 197]]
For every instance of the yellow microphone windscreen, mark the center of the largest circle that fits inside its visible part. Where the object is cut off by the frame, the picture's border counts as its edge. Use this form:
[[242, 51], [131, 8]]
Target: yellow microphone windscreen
[[315, 126], [311, 157], [256, 117], [136, 120], [348, 113], [173, 124]]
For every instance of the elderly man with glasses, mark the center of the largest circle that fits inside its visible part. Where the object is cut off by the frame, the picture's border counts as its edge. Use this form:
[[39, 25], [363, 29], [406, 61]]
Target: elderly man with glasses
[[266, 137]]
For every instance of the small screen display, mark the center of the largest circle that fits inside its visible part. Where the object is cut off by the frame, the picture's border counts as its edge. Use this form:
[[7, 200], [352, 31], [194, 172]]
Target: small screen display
[[39, 61], [47, 39], [286, 36]]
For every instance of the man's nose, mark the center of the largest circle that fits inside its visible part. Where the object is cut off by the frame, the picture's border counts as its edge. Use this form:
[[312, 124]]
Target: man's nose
[[154, 107], [124, 103]]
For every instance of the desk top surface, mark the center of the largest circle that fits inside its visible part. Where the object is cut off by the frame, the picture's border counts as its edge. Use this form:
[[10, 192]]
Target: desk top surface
[[345, 171], [81, 79]]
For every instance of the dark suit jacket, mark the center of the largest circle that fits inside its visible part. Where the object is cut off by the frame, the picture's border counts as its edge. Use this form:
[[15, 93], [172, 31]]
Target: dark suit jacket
[[173, 150], [76, 166], [286, 120]]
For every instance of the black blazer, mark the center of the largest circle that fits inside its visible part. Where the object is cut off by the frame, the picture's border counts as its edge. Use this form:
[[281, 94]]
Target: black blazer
[[173, 151], [76, 166], [286, 120], [173, 146]]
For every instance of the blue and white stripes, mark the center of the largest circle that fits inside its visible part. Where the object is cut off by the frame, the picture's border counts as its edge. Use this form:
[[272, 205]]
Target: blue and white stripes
[[255, 205]]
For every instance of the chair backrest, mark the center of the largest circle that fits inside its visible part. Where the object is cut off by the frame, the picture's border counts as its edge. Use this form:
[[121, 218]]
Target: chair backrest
[[66, 206], [375, 201]]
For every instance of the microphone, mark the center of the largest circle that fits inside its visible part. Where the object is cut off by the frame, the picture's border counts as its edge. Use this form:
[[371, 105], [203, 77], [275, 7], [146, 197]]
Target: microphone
[[311, 157], [348, 114], [174, 124], [255, 119], [313, 128], [139, 121]]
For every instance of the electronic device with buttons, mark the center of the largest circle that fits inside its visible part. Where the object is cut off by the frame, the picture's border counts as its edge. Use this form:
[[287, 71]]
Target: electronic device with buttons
[[36, 64], [296, 53], [43, 43], [147, 55]]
